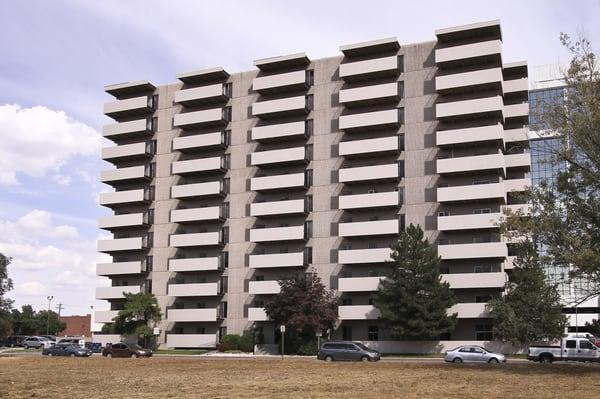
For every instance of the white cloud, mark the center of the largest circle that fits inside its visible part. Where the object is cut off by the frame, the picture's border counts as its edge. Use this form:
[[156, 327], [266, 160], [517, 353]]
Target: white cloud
[[64, 232], [30, 288], [61, 180], [37, 141]]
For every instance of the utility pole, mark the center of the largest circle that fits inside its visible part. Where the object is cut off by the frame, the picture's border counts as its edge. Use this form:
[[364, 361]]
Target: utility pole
[[59, 307], [49, 298]]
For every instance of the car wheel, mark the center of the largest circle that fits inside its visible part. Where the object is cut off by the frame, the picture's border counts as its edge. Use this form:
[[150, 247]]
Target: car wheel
[[329, 358], [493, 360], [25, 347], [73, 355], [109, 355], [133, 355], [50, 354], [457, 360], [546, 359], [365, 359]]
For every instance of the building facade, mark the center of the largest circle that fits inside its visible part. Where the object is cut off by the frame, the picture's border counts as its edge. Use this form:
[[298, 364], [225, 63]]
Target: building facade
[[226, 182]]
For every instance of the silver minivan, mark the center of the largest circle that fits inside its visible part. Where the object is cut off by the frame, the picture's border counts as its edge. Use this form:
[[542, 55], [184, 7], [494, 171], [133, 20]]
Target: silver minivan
[[347, 350]]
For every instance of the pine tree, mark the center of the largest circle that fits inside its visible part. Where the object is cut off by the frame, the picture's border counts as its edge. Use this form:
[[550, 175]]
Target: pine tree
[[412, 299], [530, 310]]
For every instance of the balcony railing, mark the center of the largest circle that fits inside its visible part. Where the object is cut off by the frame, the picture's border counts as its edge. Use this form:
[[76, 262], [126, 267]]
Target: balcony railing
[[194, 289], [469, 222], [192, 315], [264, 287], [472, 192], [286, 207], [491, 50], [375, 119], [472, 163], [118, 268], [475, 280], [288, 233], [210, 94], [131, 173], [213, 188], [369, 173], [370, 95], [483, 79], [286, 156], [358, 312], [257, 314], [288, 81], [358, 284], [280, 132], [279, 182], [470, 135], [480, 107], [123, 221], [473, 251], [195, 264], [123, 244], [263, 261], [117, 292], [125, 197], [357, 256], [126, 130], [372, 228], [299, 105], [373, 68], [205, 118], [129, 107], [369, 147], [370, 200], [196, 214], [199, 142], [196, 239], [199, 166]]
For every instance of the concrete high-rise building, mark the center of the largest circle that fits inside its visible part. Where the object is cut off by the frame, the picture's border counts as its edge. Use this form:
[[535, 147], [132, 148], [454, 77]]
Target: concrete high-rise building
[[225, 183]]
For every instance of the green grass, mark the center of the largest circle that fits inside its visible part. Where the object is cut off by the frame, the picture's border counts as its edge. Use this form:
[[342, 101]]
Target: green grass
[[180, 351]]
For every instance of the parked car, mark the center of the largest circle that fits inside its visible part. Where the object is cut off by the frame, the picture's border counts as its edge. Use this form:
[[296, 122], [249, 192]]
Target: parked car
[[473, 353], [13, 341], [75, 341], [37, 342], [95, 347], [125, 350], [570, 348], [50, 337], [347, 350], [72, 350]]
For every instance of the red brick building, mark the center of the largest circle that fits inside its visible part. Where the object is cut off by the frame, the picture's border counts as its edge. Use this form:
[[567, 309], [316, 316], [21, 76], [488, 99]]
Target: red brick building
[[77, 325]]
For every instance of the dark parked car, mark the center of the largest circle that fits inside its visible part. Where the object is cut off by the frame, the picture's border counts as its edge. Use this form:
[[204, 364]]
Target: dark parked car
[[72, 350], [95, 347], [125, 350], [346, 350], [13, 340]]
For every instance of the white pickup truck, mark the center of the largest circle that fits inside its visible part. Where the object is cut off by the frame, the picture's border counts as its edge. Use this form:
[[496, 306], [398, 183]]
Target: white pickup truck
[[570, 348]]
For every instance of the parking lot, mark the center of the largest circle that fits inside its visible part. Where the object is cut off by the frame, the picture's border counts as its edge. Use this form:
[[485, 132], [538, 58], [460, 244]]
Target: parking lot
[[97, 377]]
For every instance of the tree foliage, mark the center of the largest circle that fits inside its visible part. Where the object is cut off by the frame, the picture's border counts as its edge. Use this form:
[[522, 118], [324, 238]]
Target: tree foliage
[[530, 310], [593, 327], [412, 299], [303, 305], [5, 303], [565, 218], [138, 317], [29, 322]]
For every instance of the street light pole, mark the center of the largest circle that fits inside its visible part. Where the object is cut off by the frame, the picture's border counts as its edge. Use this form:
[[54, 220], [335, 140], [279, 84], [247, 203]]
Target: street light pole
[[49, 298]]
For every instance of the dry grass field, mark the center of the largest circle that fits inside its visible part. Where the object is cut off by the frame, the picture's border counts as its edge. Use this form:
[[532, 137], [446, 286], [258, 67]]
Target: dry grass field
[[36, 377]]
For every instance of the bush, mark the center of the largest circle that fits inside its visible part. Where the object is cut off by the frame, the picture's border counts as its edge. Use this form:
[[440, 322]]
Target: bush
[[246, 343], [308, 348], [229, 342]]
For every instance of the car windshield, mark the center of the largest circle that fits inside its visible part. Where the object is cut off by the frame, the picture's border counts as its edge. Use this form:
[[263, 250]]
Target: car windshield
[[361, 346], [137, 347]]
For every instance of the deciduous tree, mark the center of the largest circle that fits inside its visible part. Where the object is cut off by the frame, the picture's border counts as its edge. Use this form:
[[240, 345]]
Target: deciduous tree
[[138, 317], [5, 303]]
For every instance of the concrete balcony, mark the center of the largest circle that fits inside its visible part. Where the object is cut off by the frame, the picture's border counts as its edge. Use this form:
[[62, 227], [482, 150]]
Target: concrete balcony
[[191, 340], [465, 109], [286, 156], [475, 280], [489, 50], [369, 173], [199, 142], [264, 287], [470, 135], [197, 119], [196, 214], [370, 200], [122, 244], [211, 94], [469, 222], [472, 192], [473, 251], [375, 119], [264, 261], [469, 310], [289, 106], [358, 312], [370, 69], [515, 85], [129, 107], [470, 164], [105, 316], [358, 284], [298, 60], [196, 190], [114, 222], [126, 197], [192, 315], [372, 228], [522, 160], [129, 88], [257, 314], [371, 47], [203, 76], [195, 264], [195, 289], [524, 209], [520, 111], [370, 95], [485, 79], [126, 151], [289, 233], [129, 174], [512, 135], [278, 182], [271, 208], [117, 292], [369, 147], [358, 256], [279, 132], [126, 130], [196, 239], [198, 166], [281, 82], [118, 268], [517, 184]]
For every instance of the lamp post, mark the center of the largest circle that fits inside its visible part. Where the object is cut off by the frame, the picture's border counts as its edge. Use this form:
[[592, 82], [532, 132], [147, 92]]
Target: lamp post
[[49, 298]]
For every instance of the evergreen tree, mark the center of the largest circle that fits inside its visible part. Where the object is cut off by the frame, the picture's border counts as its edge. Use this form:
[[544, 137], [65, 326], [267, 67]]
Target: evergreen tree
[[412, 299], [139, 315], [530, 310]]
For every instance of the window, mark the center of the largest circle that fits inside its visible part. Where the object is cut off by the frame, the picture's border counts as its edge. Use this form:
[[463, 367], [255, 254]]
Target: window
[[372, 245], [442, 213], [222, 332], [226, 114], [179, 330], [151, 169], [401, 142], [373, 333], [153, 124], [476, 182], [585, 345], [346, 274], [225, 260], [259, 278], [309, 203], [149, 263], [347, 302], [371, 301], [400, 63], [309, 102], [571, 344], [150, 216], [482, 298], [482, 269], [308, 127], [307, 256], [200, 330], [371, 191], [227, 89], [481, 211], [308, 177], [227, 137], [201, 305], [310, 77], [401, 196], [402, 223], [347, 333], [484, 332], [400, 169]]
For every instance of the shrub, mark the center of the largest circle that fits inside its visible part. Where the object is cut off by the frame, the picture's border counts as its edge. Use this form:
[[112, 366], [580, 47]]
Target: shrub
[[246, 343], [229, 342], [308, 348]]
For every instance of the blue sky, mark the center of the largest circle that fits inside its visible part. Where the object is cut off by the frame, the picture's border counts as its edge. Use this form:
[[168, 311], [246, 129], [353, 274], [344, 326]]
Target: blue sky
[[55, 58]]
